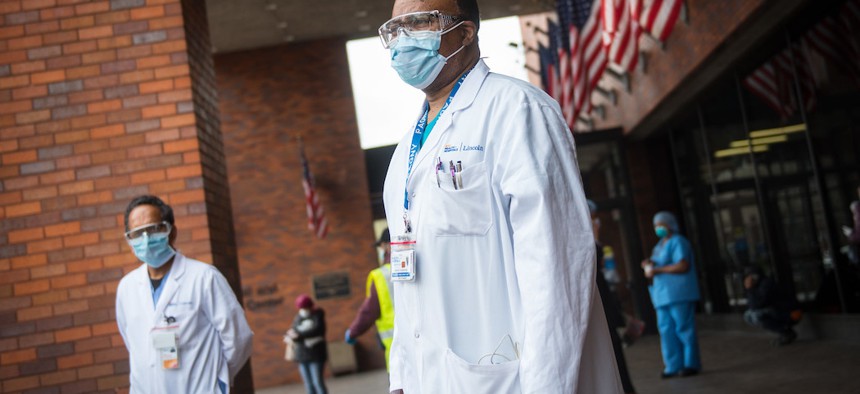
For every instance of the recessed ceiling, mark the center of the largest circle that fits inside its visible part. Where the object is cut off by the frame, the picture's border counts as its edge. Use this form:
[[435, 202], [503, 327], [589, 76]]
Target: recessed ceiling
[[237, 25]]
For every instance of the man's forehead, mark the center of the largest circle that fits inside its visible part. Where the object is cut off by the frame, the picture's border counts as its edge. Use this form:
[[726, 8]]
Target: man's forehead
[[144, 214], [406, 6]]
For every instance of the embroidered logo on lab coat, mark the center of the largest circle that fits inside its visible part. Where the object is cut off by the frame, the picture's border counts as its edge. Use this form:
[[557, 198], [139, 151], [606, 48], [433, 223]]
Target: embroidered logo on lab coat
[[462, 147]]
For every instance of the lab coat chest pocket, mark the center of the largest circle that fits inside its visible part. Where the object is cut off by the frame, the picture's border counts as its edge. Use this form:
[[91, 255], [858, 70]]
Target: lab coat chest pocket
[[462, 211], [182, 313], [464, 377]]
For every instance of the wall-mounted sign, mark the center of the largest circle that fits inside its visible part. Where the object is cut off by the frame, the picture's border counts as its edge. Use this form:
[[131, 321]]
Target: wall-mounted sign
[[262, 297], [331, 285]]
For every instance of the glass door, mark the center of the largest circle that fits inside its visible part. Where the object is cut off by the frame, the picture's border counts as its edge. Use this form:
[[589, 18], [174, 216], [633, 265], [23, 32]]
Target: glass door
[[604, 176]]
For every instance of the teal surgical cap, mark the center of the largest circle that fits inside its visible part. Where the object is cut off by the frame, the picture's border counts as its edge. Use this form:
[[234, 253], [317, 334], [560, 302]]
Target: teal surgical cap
[[668, 218]]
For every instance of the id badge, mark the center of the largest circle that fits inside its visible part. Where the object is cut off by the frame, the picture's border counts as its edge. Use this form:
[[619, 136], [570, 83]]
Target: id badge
[[403, 258], [165, 344]]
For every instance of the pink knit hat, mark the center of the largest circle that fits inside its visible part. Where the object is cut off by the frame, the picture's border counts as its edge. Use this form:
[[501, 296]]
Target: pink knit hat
[[304, 301]]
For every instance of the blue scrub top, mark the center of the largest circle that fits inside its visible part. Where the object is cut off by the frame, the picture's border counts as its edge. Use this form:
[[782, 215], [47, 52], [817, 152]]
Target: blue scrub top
[[672, 288]]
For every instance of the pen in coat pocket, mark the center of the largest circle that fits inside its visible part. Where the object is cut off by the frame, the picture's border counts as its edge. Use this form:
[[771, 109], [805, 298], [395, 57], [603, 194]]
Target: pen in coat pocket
[[438, 168], [459, 173], [453, 174]]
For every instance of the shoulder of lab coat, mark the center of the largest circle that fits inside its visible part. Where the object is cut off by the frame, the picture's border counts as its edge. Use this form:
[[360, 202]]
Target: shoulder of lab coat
[[221, 306], [534, 168]]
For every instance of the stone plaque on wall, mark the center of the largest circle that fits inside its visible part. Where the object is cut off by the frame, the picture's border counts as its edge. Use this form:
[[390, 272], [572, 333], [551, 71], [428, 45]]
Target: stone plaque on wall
[[331, 285]]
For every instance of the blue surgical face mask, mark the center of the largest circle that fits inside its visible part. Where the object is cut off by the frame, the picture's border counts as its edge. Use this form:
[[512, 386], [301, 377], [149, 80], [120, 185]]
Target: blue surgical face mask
[[154, 250], [661, 231], [416, 59]]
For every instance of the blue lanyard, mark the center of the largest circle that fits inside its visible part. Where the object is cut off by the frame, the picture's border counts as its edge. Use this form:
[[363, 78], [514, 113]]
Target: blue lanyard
[[419, 131]]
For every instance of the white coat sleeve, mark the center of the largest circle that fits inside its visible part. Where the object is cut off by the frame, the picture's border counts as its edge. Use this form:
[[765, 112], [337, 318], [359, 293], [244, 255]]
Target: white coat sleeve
[[395, 373], [553, 244], [228, 318], [120, 316]]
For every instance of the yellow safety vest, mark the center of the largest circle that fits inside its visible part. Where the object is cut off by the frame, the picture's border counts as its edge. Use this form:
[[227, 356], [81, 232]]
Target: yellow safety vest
[[379, 279]]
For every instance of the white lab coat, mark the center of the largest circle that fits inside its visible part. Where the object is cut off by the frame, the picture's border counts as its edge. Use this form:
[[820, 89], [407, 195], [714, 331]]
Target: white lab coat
[[214, 338], [510, 253]]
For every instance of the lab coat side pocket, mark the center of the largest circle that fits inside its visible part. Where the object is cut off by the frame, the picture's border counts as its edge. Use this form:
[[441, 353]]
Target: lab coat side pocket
[[464, 377], [463, 211]]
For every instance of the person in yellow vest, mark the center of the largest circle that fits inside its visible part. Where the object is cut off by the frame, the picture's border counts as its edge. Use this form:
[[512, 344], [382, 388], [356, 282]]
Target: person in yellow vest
[[378, 306]]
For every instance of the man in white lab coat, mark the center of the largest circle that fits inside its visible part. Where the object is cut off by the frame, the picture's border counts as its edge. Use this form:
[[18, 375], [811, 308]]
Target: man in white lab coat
[[493, 256], [183, 327]]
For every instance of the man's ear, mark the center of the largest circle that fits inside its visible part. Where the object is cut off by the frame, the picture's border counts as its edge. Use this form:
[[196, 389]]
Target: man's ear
[[469, 32], [172, 237]]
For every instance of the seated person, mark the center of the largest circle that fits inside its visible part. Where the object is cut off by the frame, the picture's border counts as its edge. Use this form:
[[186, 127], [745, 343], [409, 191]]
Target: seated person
[[770, 306]]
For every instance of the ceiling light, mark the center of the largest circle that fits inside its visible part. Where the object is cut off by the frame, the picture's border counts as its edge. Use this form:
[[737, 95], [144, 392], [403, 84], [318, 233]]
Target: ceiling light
[[779, 130], [515, 8], [361, 14], [740, 151], [271, 6], [364, 28], [759, 141], [282, 25], [289, 38]]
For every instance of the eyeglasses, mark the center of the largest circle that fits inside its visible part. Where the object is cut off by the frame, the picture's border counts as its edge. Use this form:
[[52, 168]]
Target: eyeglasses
[[148, 229], [433, 21]]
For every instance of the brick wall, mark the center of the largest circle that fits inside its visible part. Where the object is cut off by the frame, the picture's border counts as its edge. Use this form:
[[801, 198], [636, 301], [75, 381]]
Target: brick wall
[[99, 102], [267, 98]]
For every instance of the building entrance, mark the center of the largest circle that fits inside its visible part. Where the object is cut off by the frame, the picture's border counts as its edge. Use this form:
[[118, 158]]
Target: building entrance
[[606, 181]]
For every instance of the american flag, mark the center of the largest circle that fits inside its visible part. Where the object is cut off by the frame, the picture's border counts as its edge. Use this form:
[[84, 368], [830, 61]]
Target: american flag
[[553, 87], [548, 74], [836, 39], [580, 59], [316, 214], [621, 31], [833, 38], [561, 43], [587, 55], [773, 81], [659, 17], [592, 33]]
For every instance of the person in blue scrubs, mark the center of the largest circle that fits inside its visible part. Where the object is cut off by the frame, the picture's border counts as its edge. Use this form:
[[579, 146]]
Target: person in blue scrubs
[[674, 291]]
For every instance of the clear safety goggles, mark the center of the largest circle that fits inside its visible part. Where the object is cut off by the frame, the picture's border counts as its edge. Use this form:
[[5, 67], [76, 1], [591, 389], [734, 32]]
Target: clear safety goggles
[[148, 229], [422, 21]]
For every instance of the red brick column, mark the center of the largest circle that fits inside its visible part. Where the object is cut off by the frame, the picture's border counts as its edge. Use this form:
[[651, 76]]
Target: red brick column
[[268, 97], [100, 101]]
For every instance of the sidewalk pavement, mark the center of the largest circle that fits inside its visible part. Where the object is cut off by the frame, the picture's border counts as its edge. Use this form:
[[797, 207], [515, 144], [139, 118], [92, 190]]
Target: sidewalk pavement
[[734, 362]]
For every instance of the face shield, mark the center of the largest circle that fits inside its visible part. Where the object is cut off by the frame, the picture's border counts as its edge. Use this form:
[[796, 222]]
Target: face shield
[[416, 24]]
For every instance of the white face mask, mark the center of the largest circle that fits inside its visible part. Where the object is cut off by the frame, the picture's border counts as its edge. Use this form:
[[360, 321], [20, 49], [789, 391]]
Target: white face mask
[[304, 312]]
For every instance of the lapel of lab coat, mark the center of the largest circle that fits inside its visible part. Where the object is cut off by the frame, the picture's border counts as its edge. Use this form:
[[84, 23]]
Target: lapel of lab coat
[[462, 100], [170, 288], [143, 296]]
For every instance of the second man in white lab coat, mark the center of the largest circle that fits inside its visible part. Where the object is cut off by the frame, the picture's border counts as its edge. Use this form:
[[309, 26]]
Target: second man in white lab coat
[[492, 248], [183, 327]]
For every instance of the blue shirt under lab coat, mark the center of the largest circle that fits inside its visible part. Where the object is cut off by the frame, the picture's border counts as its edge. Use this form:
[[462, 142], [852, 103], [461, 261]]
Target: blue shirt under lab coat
[[671, 288]]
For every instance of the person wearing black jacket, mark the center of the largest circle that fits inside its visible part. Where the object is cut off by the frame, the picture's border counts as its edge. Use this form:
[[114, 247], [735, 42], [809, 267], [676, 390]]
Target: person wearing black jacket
[[308, 335], [611, 306], [770, 306]]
